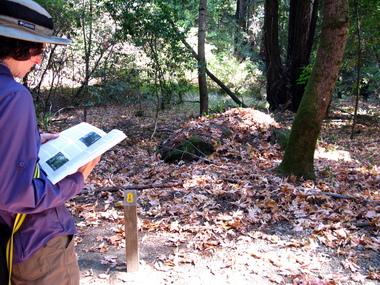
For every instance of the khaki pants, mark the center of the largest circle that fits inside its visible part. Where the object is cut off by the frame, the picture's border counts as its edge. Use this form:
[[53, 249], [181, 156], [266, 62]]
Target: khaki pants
[[54, 264]]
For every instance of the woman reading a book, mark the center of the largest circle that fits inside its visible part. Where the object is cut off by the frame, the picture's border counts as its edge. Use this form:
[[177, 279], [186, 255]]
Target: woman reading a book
[[43, 251]]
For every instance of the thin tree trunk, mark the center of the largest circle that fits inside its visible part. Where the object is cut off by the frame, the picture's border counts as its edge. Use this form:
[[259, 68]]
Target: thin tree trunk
[[87, 56], [241, 26], [203, 95], [211, 75], [359, 65]]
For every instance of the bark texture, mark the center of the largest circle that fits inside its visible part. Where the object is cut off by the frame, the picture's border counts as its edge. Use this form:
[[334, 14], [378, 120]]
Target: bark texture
[[276, 92], [203, 95], [302, 19], [299, 153]]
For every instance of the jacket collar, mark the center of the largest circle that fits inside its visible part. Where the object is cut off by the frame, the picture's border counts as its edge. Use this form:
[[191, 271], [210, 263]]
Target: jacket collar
[[4, 69]]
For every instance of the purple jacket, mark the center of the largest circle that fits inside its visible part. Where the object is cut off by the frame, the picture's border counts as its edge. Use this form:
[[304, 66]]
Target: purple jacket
[[43, 202]]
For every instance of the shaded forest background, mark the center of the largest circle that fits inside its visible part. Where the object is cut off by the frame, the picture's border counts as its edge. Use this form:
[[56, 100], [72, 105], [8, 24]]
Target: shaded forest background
[[131, 52], [136, 66]]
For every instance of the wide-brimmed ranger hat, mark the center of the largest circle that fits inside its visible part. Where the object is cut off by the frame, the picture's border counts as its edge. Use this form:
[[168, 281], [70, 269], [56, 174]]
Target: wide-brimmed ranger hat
[[27, 20]]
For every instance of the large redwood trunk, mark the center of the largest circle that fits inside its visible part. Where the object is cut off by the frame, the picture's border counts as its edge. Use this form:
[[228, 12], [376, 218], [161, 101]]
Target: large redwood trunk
[[302, 23], [299, 153], [276, 93]]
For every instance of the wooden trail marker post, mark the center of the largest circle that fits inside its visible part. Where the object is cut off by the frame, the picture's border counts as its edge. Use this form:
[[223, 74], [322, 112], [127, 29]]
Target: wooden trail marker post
[[130, 222]]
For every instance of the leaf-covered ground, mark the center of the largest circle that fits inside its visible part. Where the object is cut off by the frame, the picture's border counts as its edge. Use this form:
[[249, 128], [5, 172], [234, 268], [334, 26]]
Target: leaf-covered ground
[[230, 219]]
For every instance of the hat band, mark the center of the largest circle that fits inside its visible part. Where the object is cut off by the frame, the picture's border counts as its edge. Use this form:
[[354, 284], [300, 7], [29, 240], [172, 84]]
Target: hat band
[[26, 10], [25, 26]]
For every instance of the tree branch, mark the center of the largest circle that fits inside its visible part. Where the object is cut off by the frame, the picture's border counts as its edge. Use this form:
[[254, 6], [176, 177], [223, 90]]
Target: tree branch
[[208, 72]]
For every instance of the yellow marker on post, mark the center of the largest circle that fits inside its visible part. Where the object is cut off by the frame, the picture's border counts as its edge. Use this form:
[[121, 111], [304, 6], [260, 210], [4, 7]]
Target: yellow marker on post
[[131, 237]]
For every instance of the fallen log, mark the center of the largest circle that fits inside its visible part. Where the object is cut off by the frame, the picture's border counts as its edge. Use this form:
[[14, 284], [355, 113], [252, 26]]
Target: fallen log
[[228, 180], [146, 186], [339, 196], [133, 187]]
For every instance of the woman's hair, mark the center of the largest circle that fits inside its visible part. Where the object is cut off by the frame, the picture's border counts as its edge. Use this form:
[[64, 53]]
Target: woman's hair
[[19, 49]]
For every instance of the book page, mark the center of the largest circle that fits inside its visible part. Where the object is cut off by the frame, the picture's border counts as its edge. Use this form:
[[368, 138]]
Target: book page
[[75, 147]]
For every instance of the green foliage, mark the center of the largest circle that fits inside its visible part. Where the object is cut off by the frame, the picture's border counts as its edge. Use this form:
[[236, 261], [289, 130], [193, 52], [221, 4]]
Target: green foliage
[[363, 41], [304, 77], [109, 91], [116, 84], [63, 14], [150, 25], [44, 118], [113, 37]]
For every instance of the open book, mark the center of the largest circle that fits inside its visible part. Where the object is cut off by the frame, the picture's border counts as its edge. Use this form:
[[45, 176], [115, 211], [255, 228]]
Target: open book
[[74, 148]]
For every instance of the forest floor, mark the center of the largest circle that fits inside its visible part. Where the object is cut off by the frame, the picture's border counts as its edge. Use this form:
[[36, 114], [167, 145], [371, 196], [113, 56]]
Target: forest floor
[[231, 220]]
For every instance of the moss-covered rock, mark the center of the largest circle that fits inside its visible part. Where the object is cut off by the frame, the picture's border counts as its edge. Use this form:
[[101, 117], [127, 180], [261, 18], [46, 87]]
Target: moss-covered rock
[[281, 136], [187, 150]]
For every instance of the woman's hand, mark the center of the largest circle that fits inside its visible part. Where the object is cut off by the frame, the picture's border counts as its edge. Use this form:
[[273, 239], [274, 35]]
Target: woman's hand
[[87, 168], [48, 137]]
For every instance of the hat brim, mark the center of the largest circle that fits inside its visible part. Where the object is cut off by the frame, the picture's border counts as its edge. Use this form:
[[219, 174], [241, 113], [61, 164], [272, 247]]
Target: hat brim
[[20, 34]]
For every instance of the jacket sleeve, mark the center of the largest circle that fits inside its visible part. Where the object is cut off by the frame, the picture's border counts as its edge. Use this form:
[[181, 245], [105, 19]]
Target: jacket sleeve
[[19, 146]]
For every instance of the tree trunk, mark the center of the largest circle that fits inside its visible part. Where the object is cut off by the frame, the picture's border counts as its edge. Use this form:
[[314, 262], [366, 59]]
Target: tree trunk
[[208, 72], [299, 153], [276, 93], [241, 14], [302, 23], [358, 71], [203, 96], [241, 26]]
